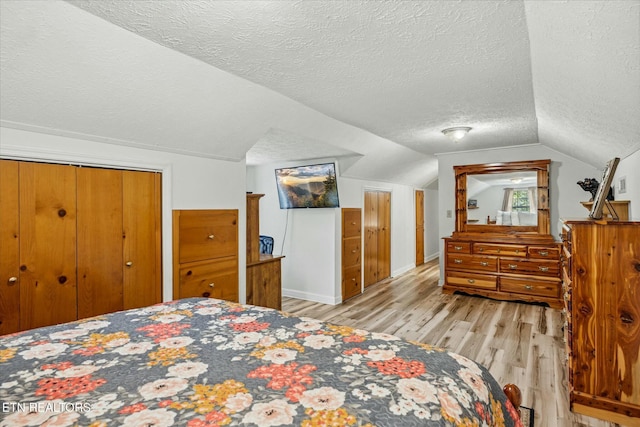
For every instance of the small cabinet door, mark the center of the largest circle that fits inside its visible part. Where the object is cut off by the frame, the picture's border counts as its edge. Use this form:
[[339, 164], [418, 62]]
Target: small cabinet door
[[210, 280]]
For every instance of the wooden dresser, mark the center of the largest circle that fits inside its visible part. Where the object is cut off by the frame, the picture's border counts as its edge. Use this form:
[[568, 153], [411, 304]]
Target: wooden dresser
[[504, 270], [351, 252], [264, 283], [601, 281], [205, 254]]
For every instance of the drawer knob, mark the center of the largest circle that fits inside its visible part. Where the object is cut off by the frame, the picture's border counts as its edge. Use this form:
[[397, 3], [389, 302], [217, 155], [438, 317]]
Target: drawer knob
[[513, 266], [542, 268], [499, 251], [211, 285], [353, 223], [353, 279], [480, 249], [13, 279], [211, 236], [457, 261], [517, 251], [353, 251], [528, 287], [471, 281], [457, 248], [129, 263], [544, 253], [484, 263]]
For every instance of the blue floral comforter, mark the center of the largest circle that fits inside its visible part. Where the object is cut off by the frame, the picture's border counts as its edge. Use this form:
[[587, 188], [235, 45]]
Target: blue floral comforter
[[204, 362]]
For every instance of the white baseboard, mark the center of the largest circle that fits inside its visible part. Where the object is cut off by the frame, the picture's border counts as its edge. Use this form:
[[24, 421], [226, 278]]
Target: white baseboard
[[308, 296], [431, 257], [403, 270]]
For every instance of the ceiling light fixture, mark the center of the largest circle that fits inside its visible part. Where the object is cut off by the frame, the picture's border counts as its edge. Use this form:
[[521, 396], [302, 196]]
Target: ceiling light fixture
[[456, 133]]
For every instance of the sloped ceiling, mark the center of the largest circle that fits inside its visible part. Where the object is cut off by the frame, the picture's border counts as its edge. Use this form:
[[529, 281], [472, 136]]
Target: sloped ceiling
[[373, 81]]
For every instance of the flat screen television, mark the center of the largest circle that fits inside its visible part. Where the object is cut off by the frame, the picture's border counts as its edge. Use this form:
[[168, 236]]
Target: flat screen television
[[312, 186]]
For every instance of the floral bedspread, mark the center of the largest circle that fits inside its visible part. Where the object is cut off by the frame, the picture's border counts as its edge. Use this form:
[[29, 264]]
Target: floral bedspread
[[204, 362]]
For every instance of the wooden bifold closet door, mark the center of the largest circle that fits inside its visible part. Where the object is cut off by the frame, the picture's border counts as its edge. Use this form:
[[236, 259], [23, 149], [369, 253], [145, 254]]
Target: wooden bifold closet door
[[377, 238], [76, 242]]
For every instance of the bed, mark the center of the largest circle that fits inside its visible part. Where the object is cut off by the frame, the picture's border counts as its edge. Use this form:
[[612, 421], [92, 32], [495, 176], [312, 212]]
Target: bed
[[203, 362]]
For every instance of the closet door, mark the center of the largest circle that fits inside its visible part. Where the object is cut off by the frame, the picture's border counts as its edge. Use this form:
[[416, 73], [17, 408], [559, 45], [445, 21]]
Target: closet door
[[419, 227], [47, 244], [384, 235], [142, 225], [100, 265], [370, 238], [9, 248]]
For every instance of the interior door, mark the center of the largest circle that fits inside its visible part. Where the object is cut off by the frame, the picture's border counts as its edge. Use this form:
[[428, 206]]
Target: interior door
[[370, 237], [47, 244], [384, 235], [419, 227], [100, 282], [9, 248], [142, 250]]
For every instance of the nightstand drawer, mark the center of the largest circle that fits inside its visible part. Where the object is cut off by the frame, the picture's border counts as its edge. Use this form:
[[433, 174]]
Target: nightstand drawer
[[530, 287], [351, 252], [351, 282], [217, 279], [472, 262], [352, 223], [471, 280], [502, 250], [207, 234]]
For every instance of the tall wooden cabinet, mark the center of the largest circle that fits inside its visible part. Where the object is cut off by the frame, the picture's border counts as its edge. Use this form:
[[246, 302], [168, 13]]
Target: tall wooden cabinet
[[351, 252], [601, 272], [264, 283], [205, 253], [76, 242]]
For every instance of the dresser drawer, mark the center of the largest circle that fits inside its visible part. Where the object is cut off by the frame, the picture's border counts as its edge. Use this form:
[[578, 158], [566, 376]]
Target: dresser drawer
[[207, 234], [352, 223], [458, 247], [472, 262], [351, 283], [542, 252], [471, 280], [497, 249], [351, 252], [530, 287], [530, 267], [217, 279]]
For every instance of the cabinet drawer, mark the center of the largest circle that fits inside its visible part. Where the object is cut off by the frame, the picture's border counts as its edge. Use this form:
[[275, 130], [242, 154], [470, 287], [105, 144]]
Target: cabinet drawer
[[471, 280], [530, 287], [206, 234], [472, 262], [542, 252], [496, 249], [352, 223], [532, 267], [458, 247], [217, 279], [351, 252], [351, 282]]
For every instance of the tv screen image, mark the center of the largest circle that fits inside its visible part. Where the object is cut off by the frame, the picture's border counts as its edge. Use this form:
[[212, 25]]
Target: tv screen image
[[312, 186]]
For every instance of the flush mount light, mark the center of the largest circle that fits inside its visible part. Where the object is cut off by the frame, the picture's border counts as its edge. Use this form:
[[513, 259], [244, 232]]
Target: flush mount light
[[456, 133]]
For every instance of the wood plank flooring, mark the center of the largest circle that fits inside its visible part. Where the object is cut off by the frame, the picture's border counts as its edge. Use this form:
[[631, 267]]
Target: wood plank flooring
[[518, 343]]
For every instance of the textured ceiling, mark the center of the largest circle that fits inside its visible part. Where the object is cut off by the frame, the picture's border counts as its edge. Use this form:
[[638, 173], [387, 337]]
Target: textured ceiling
[[372, 81]]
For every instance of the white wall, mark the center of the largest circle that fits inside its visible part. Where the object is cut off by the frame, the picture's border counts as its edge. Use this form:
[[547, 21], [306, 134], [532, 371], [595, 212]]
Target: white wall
[[629, 168], [564, 194], [187, 182], [312, 246]]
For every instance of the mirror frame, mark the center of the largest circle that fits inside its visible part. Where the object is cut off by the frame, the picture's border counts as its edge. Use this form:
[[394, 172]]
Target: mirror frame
[[541, 231]]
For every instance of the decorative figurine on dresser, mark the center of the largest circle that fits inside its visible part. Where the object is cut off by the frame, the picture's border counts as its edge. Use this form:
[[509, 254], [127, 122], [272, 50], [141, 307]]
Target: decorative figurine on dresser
[[503, 248]]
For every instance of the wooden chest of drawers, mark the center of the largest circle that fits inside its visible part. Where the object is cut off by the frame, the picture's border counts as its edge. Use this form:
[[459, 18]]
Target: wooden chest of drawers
[[505, 271], [205, 254], [601, 281]]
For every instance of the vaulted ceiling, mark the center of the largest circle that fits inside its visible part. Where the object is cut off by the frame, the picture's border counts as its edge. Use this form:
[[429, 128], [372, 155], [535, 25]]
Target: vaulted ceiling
[[371, 81]]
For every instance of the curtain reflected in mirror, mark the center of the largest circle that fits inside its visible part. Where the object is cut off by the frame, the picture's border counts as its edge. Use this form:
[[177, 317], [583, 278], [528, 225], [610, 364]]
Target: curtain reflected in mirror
[[508, 198]]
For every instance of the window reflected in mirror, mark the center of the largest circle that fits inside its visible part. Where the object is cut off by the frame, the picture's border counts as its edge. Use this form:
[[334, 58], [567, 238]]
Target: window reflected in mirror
[[508, 198]]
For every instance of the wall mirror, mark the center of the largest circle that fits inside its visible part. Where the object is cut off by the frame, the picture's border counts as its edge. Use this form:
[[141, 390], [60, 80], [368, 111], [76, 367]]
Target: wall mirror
[[510, 198]]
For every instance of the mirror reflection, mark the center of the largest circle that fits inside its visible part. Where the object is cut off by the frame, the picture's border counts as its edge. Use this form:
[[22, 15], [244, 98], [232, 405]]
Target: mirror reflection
[[502, 199]]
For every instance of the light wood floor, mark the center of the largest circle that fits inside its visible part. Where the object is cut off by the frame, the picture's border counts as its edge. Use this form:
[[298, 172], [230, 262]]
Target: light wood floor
[[518, 343]]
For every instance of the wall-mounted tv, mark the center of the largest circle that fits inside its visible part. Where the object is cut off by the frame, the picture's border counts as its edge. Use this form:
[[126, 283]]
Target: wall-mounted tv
[[600, 199], [312, 186]]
